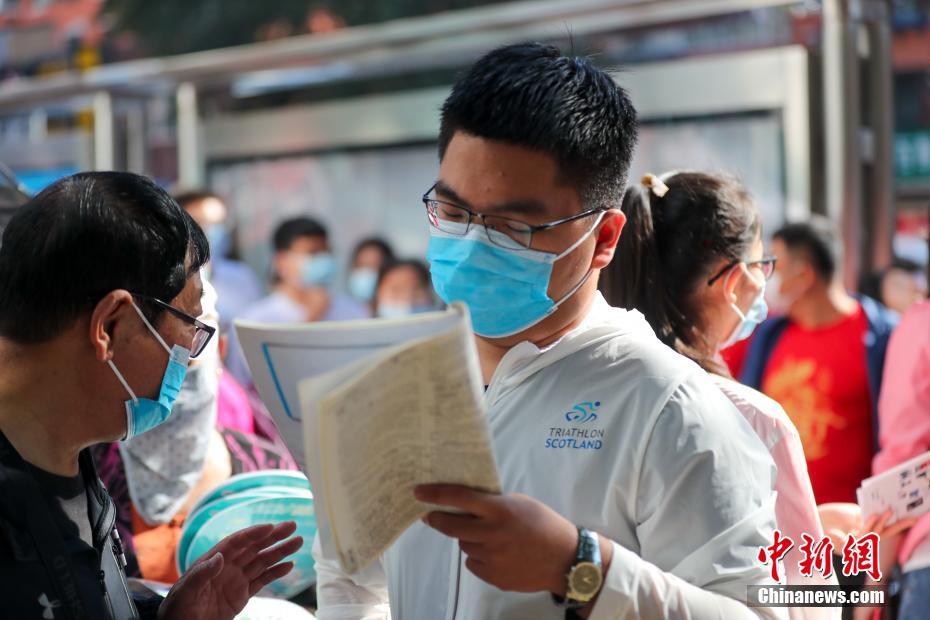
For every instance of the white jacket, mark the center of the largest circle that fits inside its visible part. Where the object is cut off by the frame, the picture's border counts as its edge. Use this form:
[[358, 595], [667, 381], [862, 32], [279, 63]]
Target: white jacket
[[621, 435]]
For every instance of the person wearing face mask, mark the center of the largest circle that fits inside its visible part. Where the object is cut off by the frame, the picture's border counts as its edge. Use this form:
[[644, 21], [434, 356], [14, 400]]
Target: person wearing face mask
[[404, 288], [155, 478], [690, 259], [821, 357], [97, 327], [631, 486], [236, 285], [304, 270], [368, 259]]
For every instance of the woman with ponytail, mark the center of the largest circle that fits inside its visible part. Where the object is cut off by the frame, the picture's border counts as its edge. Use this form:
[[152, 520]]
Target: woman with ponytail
[[690, 259]]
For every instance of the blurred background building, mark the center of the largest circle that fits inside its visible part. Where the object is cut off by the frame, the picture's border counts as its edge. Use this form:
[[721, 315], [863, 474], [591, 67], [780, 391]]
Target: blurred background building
[[331, 107]]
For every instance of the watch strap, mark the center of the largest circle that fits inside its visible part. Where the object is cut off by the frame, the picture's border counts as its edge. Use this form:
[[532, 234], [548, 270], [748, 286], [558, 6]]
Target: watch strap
[[589, 550], [589, 547]]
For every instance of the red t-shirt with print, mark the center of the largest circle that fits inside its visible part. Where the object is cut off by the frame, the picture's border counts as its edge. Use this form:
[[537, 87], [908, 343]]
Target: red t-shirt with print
[[820, 377]]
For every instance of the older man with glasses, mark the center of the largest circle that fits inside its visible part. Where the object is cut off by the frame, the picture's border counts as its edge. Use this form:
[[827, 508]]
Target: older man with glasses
[[99, 294]]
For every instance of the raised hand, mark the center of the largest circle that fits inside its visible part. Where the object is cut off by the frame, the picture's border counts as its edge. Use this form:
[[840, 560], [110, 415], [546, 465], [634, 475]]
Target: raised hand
[[218, 586]]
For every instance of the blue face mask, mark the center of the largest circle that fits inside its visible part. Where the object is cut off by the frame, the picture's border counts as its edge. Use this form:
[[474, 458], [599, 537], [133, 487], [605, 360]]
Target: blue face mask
[[219, 239], [144, 414], [362, 283], [506, 291], [757, 313], [317, 269]]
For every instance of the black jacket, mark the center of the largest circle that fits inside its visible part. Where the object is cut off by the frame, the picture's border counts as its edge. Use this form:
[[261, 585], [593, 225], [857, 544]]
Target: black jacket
[[46, 575]]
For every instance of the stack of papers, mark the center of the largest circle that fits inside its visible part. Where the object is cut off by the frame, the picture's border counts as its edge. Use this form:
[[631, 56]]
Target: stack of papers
[[272, 496], [904, 490], [370, 409]]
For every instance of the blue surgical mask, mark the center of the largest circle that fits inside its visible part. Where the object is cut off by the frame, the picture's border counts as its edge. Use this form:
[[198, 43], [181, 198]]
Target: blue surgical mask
[[144, 414], [362, 283], [317, 269], [757, 313], [219, 239], [506, 291]]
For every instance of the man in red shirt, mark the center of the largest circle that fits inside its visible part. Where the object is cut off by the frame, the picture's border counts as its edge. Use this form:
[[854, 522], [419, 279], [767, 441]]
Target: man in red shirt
[[821, 358]]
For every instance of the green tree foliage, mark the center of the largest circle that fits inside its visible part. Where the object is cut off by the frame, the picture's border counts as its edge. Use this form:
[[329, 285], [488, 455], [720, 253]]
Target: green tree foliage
[[167, 27]]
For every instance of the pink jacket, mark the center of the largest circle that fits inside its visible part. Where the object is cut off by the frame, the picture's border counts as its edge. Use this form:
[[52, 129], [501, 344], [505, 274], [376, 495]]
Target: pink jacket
[[904, 405], [795, 509]]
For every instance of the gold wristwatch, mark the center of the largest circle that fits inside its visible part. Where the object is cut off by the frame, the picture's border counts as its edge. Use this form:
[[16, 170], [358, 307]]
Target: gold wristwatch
[[585, 577]]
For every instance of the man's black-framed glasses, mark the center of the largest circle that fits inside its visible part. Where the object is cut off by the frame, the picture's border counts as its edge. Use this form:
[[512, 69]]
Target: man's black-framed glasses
[[766, 264], [202, 332], [504, 232]]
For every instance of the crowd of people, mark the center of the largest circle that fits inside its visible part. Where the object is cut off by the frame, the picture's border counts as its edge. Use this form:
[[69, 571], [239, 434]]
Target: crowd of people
[[739, 392]]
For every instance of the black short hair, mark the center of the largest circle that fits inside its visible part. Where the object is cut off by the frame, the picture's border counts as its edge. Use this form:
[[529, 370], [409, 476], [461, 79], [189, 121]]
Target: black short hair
[[532, 96], [188, 198], [817, 240], [419, 268], [374, 242], [294, 228], [85, 236], [906, 265]]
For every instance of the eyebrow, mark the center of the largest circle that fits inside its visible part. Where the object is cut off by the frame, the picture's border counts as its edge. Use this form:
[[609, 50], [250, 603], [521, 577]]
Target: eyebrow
[[515, 207]]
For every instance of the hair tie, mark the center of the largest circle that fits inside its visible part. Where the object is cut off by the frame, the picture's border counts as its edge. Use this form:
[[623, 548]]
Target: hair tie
[[655, 185]]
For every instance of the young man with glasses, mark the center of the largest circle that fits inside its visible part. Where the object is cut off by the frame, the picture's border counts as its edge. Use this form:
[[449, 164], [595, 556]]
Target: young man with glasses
[[632, 487], [99, 290]]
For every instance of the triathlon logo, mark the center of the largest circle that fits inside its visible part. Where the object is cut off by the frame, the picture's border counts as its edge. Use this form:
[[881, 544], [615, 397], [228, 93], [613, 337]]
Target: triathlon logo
[[583, 412]]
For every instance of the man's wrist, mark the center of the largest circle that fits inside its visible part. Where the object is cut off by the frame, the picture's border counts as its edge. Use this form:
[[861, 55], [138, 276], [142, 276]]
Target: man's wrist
[[567, 555]]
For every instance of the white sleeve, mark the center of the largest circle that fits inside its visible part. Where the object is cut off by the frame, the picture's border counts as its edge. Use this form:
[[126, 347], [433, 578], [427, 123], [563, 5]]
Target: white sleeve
[[341, 597], [705, 504]]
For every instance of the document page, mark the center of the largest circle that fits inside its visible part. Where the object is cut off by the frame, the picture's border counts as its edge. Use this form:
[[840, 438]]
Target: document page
[[416, 417], [280, 356], [904, 489]]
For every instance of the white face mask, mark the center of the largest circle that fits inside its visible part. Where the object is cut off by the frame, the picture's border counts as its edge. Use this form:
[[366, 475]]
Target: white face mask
[[778, 302]]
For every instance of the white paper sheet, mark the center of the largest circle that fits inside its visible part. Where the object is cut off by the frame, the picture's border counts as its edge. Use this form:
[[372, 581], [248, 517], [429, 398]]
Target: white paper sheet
[[417, 417], [904, 489], [295, 368], [280, 356]]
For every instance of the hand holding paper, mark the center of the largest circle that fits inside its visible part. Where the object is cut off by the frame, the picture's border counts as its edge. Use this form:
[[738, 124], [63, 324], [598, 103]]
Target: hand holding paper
[[903, 490], [383, 406]]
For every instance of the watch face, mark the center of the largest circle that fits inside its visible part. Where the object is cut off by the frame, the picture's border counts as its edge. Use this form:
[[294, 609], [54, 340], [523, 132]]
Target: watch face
[[585, 580]]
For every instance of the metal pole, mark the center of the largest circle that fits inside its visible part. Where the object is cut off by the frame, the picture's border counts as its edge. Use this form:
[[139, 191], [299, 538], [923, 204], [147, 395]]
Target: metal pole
[[38, 125], [103, 131], [136, 139], [190, 155], [880, 205], [841, 131]]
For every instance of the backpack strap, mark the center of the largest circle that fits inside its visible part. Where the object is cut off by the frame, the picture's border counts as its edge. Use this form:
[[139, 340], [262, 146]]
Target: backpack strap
[[102, 513]]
